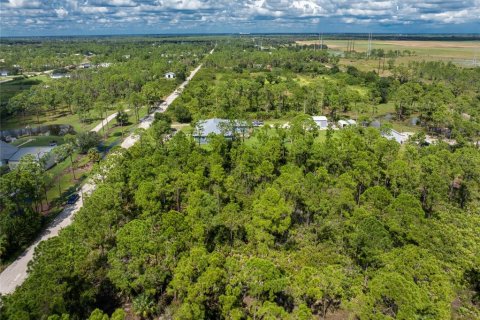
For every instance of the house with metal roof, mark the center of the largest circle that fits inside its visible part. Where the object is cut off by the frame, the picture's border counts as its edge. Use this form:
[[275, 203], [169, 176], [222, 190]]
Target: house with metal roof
[[227, 128], [11, 155], [6, 152]]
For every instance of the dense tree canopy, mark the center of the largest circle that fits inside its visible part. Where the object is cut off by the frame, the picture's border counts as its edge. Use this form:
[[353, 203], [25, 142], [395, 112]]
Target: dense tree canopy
[[261, 228]]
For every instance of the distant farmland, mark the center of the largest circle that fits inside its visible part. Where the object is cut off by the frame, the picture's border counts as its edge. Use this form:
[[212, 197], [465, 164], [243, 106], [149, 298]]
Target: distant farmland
[[457, 51]]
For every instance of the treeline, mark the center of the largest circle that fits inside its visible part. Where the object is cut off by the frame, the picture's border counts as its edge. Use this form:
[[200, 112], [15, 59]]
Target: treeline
[[283, 226], [137, 79], [254, 92], [47, 54]]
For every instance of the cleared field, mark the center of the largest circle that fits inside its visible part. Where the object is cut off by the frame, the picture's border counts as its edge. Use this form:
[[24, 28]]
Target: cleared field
[[444, 50]]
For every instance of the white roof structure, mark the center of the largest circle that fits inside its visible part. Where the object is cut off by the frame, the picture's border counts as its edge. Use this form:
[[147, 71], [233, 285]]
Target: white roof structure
[[352, 122], [37, 152], [218, 126], [319, 118], [397, 136]]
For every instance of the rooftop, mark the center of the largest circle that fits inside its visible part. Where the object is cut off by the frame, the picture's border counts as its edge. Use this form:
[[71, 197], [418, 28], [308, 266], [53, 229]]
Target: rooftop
[[37, 152], [7, 150], [217, 126]]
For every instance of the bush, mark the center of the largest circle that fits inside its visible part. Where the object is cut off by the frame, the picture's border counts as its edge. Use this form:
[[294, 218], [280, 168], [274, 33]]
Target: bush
[[182, 114], [122, 118], [87, 140]]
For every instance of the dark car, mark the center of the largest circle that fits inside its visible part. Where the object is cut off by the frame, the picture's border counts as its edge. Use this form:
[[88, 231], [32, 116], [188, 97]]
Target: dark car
[[73, 198]]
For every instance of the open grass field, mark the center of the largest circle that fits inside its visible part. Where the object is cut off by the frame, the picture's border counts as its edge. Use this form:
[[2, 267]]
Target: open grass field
[[59, 116], [434, 49], [10, 88], [37, 141], [459, 52]]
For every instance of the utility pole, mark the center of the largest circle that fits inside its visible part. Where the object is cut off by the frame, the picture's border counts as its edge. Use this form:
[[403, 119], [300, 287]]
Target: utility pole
[[369, 47], [474, 62]]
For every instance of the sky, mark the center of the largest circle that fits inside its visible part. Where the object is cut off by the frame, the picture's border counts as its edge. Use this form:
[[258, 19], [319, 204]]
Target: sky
[[103, 17]]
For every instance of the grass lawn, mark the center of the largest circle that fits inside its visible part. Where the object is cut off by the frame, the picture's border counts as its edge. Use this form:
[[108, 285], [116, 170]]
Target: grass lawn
[[59, 116], [384, 109], [38, 141], [11, 88], [273, 122], [403, 127], [114, 131]]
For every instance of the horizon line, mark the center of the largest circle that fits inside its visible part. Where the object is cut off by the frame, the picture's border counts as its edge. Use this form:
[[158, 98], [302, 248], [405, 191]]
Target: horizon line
[[474, 34]]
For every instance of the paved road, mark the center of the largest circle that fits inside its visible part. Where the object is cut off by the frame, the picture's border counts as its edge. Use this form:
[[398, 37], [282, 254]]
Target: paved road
[[105, 121], [16, 273], [147, 121]]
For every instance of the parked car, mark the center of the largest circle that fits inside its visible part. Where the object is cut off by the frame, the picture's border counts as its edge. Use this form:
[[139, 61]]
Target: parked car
[[73, 198], [53, 143]]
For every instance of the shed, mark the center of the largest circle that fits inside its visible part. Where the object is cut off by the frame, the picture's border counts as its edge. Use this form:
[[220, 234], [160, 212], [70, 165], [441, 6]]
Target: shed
[[321, 121], [170, 75], [346, 123]]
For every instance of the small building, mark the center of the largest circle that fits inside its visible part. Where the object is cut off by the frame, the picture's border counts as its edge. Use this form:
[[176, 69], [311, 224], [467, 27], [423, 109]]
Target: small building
[[170, 75], [321, 121], [346, 123], [228, 128], [59, 75], [375, 124], [395, 135], [11, 155], [104, 64]]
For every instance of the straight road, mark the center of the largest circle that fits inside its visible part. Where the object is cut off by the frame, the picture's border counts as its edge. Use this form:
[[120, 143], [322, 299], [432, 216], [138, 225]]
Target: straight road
[[16, 273], [147, 121]]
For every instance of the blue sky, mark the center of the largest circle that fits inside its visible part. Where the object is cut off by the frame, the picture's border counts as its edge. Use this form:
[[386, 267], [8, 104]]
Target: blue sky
[[89, 17]]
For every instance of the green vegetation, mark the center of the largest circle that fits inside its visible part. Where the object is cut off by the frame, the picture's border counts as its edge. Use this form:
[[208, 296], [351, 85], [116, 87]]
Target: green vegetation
[[284, 226], [291, 223]]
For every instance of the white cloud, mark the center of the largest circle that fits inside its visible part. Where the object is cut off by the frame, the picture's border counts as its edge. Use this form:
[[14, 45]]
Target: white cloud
[[61, 13], [23, 4], [216, 15]]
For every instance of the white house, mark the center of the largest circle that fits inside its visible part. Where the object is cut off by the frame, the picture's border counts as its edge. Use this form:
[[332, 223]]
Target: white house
[[321, 121], [170, 75], [346, 123]]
